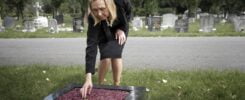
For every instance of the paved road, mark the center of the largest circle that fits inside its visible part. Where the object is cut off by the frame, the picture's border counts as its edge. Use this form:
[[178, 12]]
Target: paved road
[[160, 52]]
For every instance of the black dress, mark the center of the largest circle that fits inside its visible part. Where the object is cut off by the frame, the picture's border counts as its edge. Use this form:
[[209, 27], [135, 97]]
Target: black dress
[[102, 36]]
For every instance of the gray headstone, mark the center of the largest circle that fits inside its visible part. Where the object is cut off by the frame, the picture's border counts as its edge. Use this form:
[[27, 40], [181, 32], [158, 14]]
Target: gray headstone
[[154, 23], [29, 26], [149, 23], [168, 21], [238, 22], [181, 25], [235, 21], [206, 22], [77, 25], [9, 22], [241, 26], [231, 17], [157, 23], [53, 26]]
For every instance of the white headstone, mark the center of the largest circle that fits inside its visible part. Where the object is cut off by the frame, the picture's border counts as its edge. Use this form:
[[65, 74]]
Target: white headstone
[[137, 23], [53, 26], [41, 22], [168, 21]]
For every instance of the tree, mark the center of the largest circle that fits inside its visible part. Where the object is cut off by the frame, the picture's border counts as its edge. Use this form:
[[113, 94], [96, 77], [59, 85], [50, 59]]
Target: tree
[[191, 5], [84, 6], [17, 5], [54, 5], [2, 8], [138, 7], [151, 7], [74, 6], [233, 6]]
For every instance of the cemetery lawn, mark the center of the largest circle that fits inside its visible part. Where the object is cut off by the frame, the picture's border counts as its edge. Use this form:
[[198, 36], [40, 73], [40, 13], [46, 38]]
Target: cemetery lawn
[[40, 34], [140, 33], [34, 82]]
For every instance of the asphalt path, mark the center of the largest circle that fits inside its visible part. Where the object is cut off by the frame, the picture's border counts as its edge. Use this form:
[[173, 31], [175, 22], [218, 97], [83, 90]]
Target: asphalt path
[[139, 52]]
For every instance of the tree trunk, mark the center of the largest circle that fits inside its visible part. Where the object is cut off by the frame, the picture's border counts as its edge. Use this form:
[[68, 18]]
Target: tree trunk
[[83, 14], [54, 12], [18, 12]]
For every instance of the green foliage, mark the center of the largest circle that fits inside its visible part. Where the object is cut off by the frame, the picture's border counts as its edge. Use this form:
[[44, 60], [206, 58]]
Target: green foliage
[[13, 7], [151, 7], [140, 7]]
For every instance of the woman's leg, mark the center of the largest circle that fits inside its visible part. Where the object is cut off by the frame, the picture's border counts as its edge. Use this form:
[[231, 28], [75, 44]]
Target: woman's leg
[[117, 70], [103, 67]]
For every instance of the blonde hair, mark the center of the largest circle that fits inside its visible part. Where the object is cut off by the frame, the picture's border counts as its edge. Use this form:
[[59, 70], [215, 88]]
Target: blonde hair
[[110, 4]]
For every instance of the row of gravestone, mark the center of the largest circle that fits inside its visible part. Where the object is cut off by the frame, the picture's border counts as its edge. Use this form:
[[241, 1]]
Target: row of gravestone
[[154, 23], [207, 22], [32, 26]]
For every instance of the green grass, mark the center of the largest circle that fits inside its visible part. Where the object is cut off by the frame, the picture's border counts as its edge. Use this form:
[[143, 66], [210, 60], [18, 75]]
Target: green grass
[[40, 34], [29, 82]]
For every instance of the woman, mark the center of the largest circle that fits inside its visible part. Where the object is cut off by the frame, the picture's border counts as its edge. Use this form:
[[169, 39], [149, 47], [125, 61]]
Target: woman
[[107, 30]]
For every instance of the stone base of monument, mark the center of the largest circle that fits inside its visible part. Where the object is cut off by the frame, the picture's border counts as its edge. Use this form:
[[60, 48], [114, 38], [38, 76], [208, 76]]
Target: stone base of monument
[[100, 92]]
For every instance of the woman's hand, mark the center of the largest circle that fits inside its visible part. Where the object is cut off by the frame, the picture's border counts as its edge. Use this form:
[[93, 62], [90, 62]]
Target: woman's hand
[[87, 86], [120, 35]]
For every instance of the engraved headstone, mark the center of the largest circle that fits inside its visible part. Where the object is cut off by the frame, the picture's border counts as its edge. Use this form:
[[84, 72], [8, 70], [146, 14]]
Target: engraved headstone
[[206, 22], [77, 25], [154, 23], [181, 25], [53, 26], [9, 22], [40, 22]]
